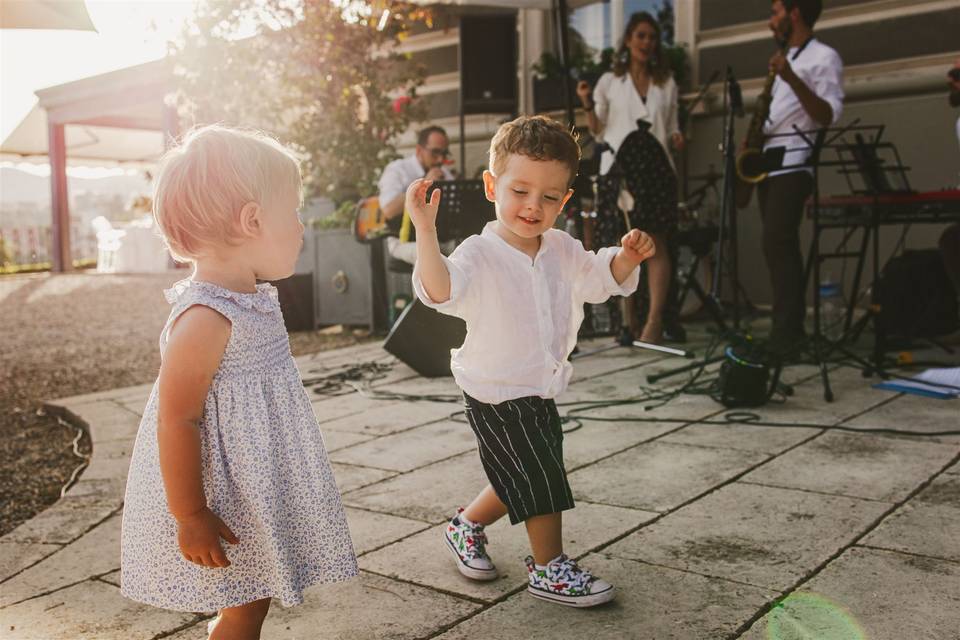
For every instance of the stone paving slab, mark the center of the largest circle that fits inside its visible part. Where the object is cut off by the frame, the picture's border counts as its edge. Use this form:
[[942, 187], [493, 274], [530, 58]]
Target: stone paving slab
[[390, 418], [609, 361], [121, 426], [111, 460], [111, 578], [914, 414], [928, 525], [807, 405], [746, 437], [66, 520], [367, 608], [396, 370], [452, 483], [663, 458], [371, 530], [17, 556], [112, 395], [326, 409], [652, 603], [350, 477], [135, 406], [856, 465], [758, 535], [92, 610], [423, 558], [334, 440], [659, 476], [596, 440], [683, 408], [96, 553], [411, 449], [112, 421], [874, 594]]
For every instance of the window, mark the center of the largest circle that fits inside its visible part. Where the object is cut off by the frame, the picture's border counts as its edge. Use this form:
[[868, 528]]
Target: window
[[593, 21]]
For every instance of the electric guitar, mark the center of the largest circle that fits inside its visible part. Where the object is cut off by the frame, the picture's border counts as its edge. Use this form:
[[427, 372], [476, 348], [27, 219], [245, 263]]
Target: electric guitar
[[369, 221]]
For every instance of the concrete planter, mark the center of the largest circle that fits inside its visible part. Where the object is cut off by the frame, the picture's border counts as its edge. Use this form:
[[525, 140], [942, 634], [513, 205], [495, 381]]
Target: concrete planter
[[343, 288]]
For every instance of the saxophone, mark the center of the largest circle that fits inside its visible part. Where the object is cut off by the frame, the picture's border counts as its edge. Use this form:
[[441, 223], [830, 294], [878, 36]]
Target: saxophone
[[750, 164]]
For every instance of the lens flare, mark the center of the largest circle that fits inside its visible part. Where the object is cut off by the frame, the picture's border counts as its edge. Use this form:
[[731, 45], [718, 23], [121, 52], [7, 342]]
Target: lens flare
[[810, 616]]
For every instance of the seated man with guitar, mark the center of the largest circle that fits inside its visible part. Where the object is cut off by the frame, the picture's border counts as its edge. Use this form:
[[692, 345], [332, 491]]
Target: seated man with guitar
[[427, 161]]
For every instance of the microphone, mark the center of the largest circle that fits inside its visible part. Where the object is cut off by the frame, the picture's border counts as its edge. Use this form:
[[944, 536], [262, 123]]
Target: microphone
[[736, 97]]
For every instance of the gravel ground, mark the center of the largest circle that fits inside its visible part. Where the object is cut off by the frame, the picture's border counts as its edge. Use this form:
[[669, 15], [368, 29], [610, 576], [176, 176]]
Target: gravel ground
[[73, 334]]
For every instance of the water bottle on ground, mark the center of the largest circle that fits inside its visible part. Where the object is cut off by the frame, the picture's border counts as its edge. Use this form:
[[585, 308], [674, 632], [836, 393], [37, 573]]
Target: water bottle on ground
[[832, 310]]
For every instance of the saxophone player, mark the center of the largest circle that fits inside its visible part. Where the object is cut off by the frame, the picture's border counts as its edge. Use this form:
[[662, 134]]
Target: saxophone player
[[808, 93]]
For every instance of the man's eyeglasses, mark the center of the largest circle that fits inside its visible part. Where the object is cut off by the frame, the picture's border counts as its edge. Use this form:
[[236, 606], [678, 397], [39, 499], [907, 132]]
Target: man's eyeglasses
[[439, 153]]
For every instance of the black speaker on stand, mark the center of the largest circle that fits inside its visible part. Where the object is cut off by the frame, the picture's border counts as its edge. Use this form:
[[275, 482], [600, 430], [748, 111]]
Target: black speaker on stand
[[488, 68]]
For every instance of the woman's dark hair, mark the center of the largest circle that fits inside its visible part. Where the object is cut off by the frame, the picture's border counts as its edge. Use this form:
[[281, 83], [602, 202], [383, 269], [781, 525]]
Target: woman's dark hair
[[658, 65]]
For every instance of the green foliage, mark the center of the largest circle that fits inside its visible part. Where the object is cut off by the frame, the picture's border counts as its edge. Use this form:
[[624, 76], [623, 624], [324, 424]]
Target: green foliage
[[316, 74], [342, 218], [583, 64]]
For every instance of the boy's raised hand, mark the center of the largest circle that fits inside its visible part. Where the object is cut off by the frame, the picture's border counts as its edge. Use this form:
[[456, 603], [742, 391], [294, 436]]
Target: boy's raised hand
[[423, 213], [637, 246]]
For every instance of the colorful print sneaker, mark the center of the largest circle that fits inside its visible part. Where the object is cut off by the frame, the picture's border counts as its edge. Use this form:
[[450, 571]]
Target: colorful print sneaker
[[468, 546], [565, 583]]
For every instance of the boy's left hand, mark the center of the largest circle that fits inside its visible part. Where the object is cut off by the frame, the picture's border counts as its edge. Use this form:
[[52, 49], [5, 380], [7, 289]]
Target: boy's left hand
[[637, 246]]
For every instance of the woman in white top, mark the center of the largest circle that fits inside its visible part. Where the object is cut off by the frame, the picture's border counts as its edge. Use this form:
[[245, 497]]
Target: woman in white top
[[634, 111]]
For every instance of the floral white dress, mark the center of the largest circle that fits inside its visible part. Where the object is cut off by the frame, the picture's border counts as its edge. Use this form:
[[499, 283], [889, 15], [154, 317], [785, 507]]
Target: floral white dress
[[265, 473]]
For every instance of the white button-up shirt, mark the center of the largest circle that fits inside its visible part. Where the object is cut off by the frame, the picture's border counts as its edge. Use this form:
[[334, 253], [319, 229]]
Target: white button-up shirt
[[400, 174], [618, 106], [522, 315], [821, 69]]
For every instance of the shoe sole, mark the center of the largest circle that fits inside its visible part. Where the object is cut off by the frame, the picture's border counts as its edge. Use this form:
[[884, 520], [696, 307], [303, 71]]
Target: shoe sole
[[580, 602], [474, 574]]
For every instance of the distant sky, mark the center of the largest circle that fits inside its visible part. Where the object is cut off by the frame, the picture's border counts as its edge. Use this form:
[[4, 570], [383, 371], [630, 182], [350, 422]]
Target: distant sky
[[129, 32]]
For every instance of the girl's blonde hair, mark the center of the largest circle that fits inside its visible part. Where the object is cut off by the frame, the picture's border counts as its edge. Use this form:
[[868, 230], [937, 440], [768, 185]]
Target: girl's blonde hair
[[206, 180]]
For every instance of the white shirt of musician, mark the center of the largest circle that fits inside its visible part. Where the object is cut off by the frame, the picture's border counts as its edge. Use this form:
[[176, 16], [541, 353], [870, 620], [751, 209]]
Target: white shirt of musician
[[522, 315], [821, 69], [618, 106], [400, 174]]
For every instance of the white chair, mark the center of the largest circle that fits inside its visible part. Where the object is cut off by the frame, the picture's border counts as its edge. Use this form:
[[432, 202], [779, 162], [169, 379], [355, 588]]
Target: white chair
[[109, 241]]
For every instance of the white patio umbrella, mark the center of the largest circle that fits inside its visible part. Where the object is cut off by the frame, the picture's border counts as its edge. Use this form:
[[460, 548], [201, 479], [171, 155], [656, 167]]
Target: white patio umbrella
[[45, 14], [84, 142]]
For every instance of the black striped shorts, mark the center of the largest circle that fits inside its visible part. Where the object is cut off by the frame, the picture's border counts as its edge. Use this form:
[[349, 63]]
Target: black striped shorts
[[521, 448]]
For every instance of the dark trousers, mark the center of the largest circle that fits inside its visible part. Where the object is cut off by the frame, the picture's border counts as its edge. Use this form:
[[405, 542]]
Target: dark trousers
[[782, 200]]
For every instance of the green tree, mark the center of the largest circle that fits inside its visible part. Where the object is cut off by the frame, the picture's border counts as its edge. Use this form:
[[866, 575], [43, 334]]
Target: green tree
[[320, 75]]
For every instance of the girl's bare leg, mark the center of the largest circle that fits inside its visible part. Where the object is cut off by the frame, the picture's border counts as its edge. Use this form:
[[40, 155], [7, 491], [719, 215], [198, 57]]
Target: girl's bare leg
[[241, 623]]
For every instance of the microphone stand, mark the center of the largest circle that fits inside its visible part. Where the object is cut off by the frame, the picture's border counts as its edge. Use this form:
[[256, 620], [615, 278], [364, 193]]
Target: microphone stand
[[728, 209], [732, 107]]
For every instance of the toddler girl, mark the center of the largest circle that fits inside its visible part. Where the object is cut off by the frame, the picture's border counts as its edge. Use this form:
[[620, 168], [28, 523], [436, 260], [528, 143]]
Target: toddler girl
[[228, 448]]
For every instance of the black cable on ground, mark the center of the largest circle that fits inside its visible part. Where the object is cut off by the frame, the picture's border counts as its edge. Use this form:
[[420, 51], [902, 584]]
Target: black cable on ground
[[338, 382], [359, 378]]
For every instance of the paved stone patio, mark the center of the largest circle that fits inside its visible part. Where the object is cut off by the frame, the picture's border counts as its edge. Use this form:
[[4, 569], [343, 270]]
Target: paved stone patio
[[709, 529]]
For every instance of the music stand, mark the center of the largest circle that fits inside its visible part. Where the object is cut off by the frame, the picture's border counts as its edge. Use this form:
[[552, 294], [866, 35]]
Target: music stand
[[860, 159], [464, 209]]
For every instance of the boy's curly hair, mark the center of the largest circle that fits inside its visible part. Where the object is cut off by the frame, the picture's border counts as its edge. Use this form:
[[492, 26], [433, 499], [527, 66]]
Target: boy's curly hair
[[536, 137]]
